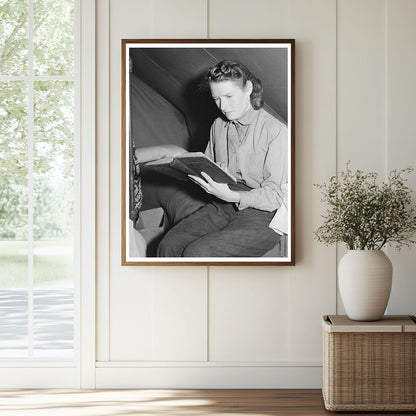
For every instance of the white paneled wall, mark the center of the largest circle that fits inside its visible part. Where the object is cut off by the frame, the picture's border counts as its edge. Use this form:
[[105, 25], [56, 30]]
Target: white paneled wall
[[162, 316], [248, 326], [361, 88], [255, 320], [401, 131], [361, 84]]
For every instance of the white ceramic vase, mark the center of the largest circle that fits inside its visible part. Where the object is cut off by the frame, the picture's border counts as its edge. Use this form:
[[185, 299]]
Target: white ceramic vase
[[364, 278]]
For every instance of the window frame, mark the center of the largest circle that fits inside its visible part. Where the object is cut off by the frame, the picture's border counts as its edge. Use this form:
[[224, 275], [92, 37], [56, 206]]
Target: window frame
[[81, 371]]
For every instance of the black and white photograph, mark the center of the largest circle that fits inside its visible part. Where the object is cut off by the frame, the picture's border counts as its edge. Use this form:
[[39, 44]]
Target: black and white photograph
[[208, 152]]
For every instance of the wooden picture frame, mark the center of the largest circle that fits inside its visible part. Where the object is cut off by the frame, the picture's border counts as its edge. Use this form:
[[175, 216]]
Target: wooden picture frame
[[167, 102]]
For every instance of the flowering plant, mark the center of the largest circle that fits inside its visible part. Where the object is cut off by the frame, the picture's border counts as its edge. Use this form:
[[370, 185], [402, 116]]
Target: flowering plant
[[366, 215]]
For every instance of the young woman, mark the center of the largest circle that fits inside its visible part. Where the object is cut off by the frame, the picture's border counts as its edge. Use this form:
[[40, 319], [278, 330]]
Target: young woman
[[252, 145]]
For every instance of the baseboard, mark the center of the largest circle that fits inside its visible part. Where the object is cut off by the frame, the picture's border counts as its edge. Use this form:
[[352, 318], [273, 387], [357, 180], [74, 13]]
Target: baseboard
[[210, 377]]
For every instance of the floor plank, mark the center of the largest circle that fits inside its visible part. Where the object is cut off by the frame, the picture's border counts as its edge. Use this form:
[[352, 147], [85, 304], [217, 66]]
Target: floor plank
[[166, 402]]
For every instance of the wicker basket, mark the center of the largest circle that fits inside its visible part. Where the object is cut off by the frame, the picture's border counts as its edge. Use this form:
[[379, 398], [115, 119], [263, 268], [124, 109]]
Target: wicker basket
[[369, 366]]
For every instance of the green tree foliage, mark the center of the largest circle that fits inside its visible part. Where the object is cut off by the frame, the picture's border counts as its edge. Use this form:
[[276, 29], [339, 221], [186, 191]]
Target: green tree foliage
[[54, 127], [13, 209], [53, 37], [13, 37], [13, 129], [52, 118], [13, 159], [53, 209]]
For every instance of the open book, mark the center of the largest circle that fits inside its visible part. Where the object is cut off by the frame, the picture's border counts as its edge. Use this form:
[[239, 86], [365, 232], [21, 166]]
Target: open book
[[191, 163]]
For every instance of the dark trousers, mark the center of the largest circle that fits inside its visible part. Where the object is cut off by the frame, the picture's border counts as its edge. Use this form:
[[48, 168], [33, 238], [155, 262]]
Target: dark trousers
[[218, 229]]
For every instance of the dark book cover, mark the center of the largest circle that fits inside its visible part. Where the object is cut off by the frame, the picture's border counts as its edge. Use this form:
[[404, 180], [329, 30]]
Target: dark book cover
[[184, 164]]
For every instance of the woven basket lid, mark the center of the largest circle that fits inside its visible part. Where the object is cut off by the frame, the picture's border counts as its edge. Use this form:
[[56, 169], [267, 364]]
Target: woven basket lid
[[389, 323]]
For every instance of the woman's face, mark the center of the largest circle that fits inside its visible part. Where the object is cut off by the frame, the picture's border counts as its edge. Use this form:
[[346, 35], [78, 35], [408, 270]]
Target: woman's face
[[231, 97]]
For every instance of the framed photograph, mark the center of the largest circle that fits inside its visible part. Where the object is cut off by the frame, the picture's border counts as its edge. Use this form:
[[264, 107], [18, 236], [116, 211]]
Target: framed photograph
[[208, 155]]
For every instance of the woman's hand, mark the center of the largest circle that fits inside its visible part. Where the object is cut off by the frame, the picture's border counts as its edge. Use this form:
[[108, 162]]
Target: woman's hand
[[220, 190]]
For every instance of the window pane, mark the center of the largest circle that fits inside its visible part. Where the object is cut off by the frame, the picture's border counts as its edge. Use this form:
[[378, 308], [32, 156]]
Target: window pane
[[53, 37], [53, 196], [53, 319], [53, 179], [13, 182], [13, 323], [13, 37], [13, 220]]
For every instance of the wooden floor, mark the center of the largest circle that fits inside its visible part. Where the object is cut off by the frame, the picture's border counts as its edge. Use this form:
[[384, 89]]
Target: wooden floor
[[165, 402]]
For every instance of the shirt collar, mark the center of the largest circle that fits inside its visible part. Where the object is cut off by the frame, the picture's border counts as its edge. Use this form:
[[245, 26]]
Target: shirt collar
[[247, 117]]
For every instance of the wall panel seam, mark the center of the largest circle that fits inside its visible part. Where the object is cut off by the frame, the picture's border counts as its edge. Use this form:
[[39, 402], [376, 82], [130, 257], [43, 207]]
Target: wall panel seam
[[207, 314], [336, 141], [103, 128], [386, 97], [208, 17]]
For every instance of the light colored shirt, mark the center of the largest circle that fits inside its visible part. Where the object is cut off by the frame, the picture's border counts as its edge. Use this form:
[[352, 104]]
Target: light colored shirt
[[255, 150]]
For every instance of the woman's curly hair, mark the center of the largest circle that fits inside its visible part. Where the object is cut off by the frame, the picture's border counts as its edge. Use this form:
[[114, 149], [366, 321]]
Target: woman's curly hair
[[236, 71]]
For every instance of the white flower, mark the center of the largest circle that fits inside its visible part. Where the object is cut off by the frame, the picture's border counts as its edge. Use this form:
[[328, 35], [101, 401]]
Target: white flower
[[366, 215]]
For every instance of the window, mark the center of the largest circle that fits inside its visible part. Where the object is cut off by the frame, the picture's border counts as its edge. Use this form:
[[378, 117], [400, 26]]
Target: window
[[38, 185]]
